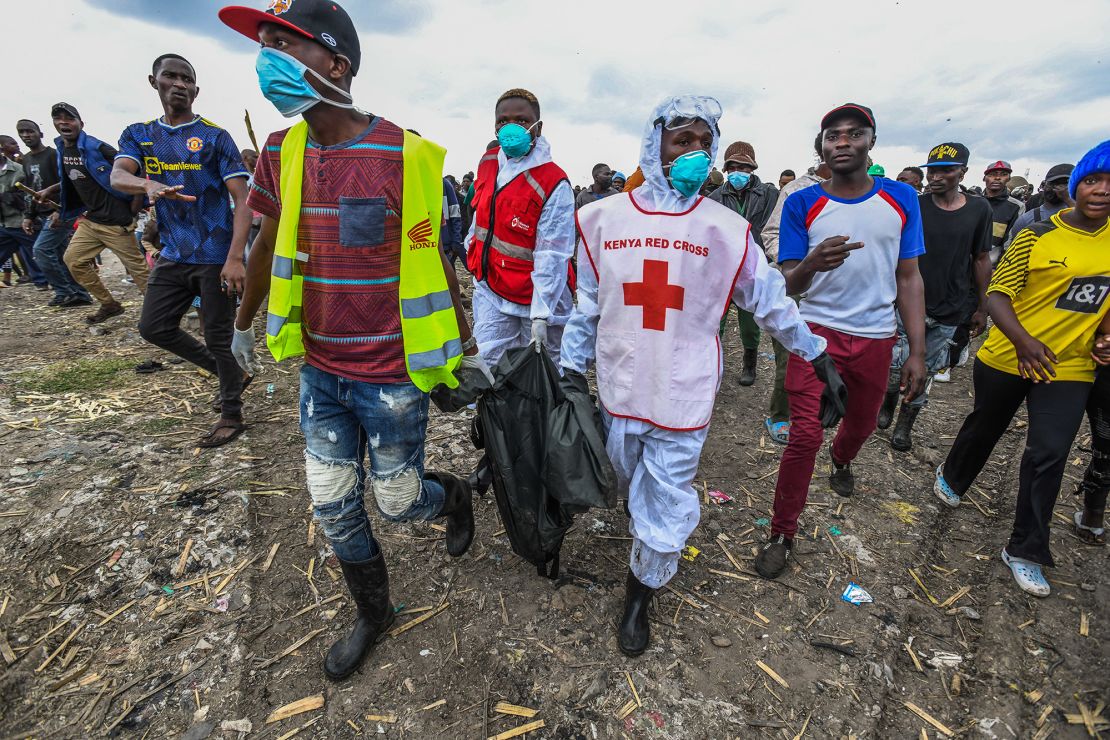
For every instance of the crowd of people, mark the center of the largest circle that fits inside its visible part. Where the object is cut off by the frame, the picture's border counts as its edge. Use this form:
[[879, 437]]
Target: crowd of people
[[344, 225]]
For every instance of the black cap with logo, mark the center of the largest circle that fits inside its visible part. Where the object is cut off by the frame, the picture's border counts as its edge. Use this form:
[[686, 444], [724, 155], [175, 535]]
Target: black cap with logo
[[323, 21], [64, 107], [948, 154]]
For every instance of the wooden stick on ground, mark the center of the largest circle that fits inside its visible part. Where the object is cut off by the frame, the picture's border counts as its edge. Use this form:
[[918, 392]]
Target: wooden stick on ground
[[291, 648], [152, 692], [929, 718], [307, 704], [61, 647], [518, 731]]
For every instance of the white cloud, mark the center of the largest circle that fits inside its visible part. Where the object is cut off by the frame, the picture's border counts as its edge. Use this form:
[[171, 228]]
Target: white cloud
[[1015, 81]]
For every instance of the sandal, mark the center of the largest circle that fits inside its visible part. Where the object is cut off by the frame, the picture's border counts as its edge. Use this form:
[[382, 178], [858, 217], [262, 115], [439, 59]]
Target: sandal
[[1089, 535], [148, 367], [214, 438], [779, 431]]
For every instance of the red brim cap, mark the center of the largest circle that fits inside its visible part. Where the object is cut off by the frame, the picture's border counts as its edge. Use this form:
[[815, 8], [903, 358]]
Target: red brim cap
[[850, 109], [247, 20]]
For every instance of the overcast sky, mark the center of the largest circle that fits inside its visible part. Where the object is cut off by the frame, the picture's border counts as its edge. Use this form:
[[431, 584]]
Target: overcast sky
[[1022, 81]]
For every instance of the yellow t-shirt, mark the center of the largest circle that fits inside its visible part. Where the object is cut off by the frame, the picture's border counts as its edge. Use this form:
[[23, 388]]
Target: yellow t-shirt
[[1059, 280]]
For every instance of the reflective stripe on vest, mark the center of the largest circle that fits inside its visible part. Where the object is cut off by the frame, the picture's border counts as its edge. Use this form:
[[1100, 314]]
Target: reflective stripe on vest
[[429, 327], [502, 246]]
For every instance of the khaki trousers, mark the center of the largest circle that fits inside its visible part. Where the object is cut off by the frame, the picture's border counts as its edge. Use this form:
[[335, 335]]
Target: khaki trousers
[[91, 239]]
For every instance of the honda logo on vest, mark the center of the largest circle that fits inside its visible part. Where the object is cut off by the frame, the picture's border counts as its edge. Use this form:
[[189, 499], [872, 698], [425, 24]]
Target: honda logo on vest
[[420, 236]]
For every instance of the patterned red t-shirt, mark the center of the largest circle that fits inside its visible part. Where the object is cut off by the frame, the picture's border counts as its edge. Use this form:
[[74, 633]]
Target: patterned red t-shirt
[[350, 228]]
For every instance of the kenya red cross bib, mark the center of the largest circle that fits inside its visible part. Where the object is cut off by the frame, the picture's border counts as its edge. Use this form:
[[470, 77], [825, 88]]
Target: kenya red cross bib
[[664, 282]]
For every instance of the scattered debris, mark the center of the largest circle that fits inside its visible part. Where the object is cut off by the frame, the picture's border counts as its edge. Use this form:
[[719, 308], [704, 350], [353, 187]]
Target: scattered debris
[[856, 594]]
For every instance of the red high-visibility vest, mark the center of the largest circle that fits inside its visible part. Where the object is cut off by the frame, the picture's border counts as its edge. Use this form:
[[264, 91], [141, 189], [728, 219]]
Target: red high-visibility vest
[[505, 222]]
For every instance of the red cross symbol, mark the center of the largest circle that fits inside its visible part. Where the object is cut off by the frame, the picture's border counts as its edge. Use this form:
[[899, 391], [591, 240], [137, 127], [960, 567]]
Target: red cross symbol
[[654, 294]]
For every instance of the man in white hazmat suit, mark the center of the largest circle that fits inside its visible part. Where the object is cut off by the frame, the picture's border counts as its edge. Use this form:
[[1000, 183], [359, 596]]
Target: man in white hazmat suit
[[658, 269], [522, 236]]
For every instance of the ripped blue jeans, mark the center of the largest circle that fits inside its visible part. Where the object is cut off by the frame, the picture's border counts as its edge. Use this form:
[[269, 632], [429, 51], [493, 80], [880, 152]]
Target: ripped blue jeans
[[343, 420]]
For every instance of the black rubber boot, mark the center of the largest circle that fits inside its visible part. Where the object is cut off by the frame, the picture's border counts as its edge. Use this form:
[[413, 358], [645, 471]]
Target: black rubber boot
[[747, 373], [886, 411], [635, 633], [368, 583], [458, 508], [901, 439]]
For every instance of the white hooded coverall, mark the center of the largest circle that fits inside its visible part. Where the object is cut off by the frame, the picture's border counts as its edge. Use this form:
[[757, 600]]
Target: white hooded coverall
[[658, 465]]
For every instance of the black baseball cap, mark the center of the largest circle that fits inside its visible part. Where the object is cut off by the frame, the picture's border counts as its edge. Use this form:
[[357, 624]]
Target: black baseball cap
[[856, 110], [948, 154], [65, 107], [323, 21], [1058, 172]]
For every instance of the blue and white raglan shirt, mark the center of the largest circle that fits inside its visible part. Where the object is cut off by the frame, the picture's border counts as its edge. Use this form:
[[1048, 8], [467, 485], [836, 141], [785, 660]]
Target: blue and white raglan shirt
[[202, 157], [858, 297]]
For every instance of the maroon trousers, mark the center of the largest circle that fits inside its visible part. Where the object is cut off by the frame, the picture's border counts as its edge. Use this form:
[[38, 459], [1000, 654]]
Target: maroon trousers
[[864, 364]]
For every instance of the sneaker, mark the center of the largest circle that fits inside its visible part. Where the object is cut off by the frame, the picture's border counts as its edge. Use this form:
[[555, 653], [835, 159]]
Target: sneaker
[[772, 559], [1029, 576], [76, 300], [944, 376], [58, 300], [841, 479], [944, 491], [42, 286], [105, 312], [965, 354], [128, 280]]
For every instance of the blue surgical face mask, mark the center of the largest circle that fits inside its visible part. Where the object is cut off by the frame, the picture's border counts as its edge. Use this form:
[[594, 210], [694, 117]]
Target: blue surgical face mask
[[282, 80], [739, 180], [689, 171], [515, 140]]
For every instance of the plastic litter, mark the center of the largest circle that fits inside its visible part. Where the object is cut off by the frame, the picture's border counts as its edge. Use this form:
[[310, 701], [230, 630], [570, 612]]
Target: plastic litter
[[690, 552], [762, 521], [835, 531], [719, 498], [856, 594], [944, 660]]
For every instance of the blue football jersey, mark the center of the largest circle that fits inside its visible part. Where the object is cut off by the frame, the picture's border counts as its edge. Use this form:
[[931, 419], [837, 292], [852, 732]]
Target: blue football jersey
[[202, 157]]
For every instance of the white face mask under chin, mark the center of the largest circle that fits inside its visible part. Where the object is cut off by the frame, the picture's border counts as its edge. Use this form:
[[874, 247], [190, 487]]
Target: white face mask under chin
[[339, 90]]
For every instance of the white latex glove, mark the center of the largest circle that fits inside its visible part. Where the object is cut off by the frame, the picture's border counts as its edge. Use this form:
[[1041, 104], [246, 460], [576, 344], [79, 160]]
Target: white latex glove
[[539, 334], [476, 362], [242, 348]]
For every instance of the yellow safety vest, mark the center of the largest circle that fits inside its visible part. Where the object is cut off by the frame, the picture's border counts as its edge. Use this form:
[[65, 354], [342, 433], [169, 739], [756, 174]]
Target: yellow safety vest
[[430, 329]]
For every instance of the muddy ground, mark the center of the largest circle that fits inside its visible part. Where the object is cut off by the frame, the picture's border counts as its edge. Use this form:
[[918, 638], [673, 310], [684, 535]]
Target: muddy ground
[[108, 630]]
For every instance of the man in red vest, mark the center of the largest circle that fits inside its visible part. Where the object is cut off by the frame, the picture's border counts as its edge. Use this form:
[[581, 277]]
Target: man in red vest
[[522, 237]]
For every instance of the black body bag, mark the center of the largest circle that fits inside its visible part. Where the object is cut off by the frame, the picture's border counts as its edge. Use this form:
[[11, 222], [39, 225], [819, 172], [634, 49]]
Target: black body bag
[[545, 450]]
